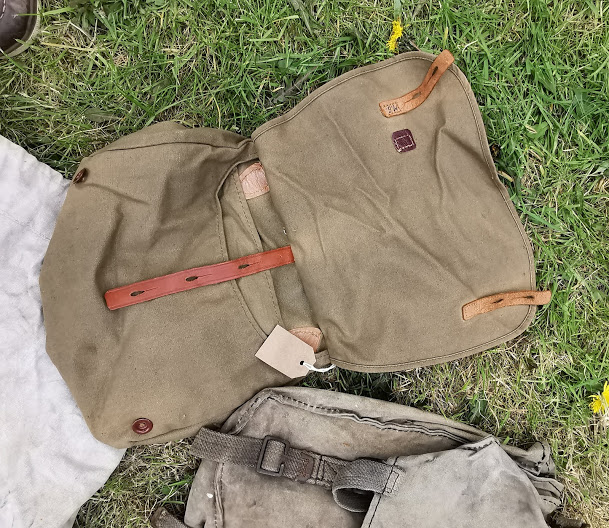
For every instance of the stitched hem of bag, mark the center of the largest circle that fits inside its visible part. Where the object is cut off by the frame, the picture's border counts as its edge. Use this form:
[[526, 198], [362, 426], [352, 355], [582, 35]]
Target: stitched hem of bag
[[282, 399], [109, 147], [524, 324], [528, 318], [460, 427], [493, 172], [271, 394], [263, 129], [277, 395]]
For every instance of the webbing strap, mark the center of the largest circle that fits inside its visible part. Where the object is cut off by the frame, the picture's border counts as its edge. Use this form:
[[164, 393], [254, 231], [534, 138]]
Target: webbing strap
[[356, 483], [353, 483], [163, 519], [269, 456]]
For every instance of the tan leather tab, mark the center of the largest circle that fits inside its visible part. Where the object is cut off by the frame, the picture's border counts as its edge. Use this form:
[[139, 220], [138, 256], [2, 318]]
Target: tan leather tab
[[253, 181], [416, 97], [501, 300], [311, 335], [150, 289], [286, 353]]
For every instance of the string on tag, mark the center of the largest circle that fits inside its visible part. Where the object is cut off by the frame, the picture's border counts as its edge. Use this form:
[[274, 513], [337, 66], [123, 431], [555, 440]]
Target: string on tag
[[314, 369]]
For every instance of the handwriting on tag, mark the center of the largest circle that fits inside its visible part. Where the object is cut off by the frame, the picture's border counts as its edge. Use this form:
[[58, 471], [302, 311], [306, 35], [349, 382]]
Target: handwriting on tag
[[285, 352]]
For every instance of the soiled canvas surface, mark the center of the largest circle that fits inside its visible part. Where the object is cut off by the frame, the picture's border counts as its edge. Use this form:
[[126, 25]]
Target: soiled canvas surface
[[392, 234], [444, 465]]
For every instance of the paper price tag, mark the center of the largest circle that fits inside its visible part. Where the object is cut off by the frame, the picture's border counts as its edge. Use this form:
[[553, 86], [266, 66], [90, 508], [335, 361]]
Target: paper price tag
[[284, 352]]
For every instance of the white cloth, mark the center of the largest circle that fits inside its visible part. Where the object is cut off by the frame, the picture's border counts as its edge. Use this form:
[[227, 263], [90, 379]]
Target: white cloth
[[50, 464]]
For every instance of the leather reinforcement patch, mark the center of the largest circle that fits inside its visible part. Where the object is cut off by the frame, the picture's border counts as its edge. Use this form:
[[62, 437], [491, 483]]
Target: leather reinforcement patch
[[403, 140], [253, 181], [309, 334]]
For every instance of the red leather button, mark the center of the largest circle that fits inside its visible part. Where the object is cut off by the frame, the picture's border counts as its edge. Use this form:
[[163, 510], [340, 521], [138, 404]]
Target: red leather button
[[80, 176], [142, 426]]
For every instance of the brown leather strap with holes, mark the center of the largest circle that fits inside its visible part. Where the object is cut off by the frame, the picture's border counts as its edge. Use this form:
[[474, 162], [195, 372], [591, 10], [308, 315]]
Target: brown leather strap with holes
[[411, 100], [501, 300], [147, 290]]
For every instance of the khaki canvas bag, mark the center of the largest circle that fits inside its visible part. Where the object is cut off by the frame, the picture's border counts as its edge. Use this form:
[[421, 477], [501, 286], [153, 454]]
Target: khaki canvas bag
[[303, 457], [369, 225]]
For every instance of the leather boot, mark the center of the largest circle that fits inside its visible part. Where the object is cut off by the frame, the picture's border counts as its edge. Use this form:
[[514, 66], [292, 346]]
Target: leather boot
[[18, 25]]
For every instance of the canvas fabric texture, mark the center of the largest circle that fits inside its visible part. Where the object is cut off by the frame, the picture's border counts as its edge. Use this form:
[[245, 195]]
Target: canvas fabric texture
[[395, 224], [50, 464], [375, 464]]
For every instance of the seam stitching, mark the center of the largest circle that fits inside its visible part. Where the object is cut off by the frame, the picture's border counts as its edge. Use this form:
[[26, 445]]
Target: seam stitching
[[281, 398], [403, 147], [424, 361], [109, 148], [254, 233], [26, 226], [219, 229], [498, 184], [221, 488], [349, 77]]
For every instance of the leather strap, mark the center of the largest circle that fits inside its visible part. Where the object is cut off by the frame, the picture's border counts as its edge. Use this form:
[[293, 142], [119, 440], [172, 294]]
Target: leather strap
[[147, 290], [416, 97], [501, 300]]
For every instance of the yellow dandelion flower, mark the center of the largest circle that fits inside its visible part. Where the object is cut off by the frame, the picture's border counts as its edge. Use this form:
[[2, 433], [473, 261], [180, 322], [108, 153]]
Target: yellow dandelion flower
[[600, 402], [596, 404], [396, 33]]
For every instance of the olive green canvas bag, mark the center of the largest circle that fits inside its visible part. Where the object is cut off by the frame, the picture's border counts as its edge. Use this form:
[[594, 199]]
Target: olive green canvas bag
[[304, 458], [367, 229]]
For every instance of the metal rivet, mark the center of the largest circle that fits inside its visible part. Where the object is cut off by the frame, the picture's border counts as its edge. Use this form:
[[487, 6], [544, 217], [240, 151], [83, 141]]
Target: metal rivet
[[80, 176], [142, 426]]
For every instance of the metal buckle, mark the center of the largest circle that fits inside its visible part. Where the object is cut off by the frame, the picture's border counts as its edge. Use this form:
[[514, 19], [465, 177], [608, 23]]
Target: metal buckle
[[279, 472]]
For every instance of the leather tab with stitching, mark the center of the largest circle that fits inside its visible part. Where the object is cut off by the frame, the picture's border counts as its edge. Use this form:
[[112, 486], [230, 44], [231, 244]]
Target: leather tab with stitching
[[416, 97], [501, 300], [189, 279]]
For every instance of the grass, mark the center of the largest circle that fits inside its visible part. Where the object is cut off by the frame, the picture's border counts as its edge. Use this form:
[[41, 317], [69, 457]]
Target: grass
[[540, 70]]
